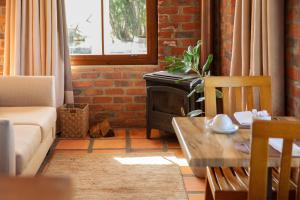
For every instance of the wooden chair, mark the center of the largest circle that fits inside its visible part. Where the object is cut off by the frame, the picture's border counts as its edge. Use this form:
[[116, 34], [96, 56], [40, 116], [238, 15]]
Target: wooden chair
[[243, 89], [232, 183], [261, 132]]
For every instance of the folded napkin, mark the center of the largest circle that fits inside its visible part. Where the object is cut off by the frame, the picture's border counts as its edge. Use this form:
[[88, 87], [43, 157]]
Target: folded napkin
[[246, 118], [278, 143]]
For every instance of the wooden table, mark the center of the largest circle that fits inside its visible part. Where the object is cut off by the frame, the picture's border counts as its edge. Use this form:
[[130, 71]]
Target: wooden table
[[204, 148]]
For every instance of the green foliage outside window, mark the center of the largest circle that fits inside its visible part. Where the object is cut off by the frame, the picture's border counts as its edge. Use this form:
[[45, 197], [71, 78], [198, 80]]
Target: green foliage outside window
[[127, 18]]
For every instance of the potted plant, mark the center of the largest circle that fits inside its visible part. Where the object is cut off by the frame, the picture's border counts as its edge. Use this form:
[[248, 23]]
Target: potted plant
[[189, 63]]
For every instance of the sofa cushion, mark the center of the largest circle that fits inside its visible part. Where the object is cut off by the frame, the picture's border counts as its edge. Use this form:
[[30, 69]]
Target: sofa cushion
[[27, 140], [45, 117]]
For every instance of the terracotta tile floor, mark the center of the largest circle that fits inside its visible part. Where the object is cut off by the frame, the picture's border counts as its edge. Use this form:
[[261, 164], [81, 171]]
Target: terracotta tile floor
[[73, 144], [134, 140], [120, 133], [146, 144], [110, 144]]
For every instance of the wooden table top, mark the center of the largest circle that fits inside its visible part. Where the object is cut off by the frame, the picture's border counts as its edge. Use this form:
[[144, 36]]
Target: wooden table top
[[203, 147]]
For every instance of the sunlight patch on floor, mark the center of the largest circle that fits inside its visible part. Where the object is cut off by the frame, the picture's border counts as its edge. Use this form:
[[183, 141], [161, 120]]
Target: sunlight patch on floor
[[152, 160], [178, 161]]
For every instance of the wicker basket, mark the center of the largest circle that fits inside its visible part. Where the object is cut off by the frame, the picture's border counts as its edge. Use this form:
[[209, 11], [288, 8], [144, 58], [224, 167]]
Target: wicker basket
[[74, 120]]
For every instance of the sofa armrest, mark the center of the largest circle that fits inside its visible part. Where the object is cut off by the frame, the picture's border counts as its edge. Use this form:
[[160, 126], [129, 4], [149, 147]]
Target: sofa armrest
[[7, 149], [21, 91]]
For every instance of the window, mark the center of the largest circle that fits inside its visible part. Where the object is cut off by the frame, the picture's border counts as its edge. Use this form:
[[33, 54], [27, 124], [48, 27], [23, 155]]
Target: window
[[112, 31]]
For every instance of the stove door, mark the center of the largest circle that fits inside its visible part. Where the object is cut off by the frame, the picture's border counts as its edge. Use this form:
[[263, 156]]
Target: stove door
[[164, 103]]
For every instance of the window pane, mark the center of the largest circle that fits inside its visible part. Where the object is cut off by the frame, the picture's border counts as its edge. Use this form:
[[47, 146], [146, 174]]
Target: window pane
[[84, 26], [125, 27]]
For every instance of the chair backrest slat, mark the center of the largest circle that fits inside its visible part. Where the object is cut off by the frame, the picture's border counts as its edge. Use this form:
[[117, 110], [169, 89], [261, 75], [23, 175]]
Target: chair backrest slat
[[225, 92], [285, 169], [238, 98], [210, 95], [261, 132], [241, 90], [249, 93], [259, 179], [265, 98]]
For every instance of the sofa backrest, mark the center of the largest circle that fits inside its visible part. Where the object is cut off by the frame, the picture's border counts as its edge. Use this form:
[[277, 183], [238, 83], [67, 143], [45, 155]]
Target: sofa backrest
[[22, 91]]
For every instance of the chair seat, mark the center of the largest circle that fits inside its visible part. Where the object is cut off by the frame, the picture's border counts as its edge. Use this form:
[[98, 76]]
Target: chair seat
[[233, 183]]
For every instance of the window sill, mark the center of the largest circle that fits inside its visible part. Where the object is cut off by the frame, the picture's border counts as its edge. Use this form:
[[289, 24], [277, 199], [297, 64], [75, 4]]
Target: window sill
[[150, 67], [149, 59]]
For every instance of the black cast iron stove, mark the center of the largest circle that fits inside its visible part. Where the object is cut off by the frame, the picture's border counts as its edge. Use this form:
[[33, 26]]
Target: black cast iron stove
[[166, 98]]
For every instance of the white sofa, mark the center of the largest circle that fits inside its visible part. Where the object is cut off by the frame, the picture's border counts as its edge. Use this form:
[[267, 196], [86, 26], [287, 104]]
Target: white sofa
[[27, 123]]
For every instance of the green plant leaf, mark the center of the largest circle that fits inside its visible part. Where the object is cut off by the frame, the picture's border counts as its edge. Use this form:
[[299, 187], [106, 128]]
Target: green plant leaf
[[187, 70], [195, 113], [199, 88], [190, 50], [219, 94], [169, 59], [196, 50], [200, 99], [197, 81], [191, 93], [197, 47], [185, 79], [206, 66], [176, 67], [187, 57], [188, 62], [199, 43]]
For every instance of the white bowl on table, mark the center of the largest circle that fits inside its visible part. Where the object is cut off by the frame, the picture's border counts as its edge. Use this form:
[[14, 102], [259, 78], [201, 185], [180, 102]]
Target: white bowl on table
[[221, 123]]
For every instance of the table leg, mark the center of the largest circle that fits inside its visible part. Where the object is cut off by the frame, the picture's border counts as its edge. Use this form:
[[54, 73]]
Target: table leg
[[269, 197]]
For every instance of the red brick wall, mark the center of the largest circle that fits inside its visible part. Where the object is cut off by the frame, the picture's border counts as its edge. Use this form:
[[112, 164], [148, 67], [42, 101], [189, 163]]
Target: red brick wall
[[293, 56], [114, 92], [179, 26]]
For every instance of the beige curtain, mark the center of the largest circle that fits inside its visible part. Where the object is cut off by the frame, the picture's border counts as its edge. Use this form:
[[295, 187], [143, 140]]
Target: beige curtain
[[258, 44], [36, 43]]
